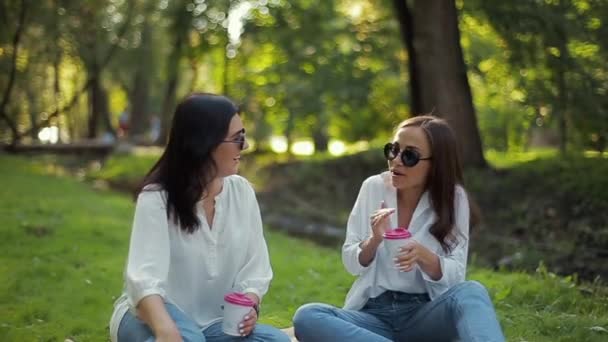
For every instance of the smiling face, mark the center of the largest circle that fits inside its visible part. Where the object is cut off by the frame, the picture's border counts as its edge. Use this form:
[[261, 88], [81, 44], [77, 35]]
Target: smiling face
[[227, 155], [403, 177]]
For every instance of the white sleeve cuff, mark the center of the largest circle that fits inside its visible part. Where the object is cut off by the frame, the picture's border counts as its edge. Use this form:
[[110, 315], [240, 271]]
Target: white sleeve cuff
[[134, 300], [440, 281]]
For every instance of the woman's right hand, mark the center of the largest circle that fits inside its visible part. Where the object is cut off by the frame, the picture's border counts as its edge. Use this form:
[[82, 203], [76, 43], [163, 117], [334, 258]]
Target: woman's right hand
[[153, 312], [380, 222]]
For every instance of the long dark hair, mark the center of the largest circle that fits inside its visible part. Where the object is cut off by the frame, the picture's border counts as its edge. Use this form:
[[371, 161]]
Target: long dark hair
[[185, 169], [445, 174]]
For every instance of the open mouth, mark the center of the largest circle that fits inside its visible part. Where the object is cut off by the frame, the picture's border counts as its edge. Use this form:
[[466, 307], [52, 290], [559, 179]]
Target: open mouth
[[397, 173]]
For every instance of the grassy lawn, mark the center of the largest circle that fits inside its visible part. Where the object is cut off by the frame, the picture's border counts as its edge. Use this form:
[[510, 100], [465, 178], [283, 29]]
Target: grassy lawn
[[64, 246]]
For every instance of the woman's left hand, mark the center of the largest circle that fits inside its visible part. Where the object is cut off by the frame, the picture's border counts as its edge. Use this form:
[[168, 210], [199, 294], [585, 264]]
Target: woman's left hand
[[248, 323], [414, 253]]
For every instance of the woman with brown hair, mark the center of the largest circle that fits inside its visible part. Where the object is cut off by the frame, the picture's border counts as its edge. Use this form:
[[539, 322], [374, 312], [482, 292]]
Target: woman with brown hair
[[418, 293]]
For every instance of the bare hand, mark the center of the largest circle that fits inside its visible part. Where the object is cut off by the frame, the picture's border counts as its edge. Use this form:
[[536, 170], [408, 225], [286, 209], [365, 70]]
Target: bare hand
[[410, 255], [248, 323], [380, 221]]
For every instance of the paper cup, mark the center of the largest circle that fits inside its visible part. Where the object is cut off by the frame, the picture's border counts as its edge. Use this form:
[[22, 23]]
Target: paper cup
[[236, 307], [395, 239]]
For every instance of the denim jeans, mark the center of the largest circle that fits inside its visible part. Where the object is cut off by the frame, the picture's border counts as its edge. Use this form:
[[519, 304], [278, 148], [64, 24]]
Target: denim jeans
[[132, 329], [464, 313]]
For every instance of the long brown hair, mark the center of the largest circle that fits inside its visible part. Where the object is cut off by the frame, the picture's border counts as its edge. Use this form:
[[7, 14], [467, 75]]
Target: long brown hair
[[445, 174]]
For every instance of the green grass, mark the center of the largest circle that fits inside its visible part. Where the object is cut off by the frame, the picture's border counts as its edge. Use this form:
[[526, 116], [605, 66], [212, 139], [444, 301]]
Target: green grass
[[64, 246], [501, 160]]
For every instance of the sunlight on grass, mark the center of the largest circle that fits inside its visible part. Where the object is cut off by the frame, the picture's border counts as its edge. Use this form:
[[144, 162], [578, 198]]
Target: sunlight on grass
[[278, 144], [303, 148], [595, 154], [503, 160], [336, 147]]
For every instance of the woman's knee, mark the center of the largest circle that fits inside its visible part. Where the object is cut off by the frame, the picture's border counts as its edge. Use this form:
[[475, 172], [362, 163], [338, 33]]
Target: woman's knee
[[472, 289], [308, 313]]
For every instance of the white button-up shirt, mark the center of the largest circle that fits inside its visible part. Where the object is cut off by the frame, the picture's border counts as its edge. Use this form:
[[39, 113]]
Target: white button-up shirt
[[195, 271], [381, 275]]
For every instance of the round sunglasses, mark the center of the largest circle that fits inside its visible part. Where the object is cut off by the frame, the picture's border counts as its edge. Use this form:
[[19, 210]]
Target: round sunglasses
[[409, 156]]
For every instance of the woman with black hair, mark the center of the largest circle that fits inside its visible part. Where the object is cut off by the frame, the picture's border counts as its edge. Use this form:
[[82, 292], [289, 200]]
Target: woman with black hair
[[196, 237]]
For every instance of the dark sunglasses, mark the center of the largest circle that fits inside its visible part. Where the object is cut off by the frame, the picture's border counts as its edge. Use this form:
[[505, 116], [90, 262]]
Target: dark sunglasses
[[240, 140], [409, 156]]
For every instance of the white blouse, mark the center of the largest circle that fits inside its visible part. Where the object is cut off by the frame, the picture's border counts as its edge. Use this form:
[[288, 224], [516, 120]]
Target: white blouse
[[195, 271], [380, 275]]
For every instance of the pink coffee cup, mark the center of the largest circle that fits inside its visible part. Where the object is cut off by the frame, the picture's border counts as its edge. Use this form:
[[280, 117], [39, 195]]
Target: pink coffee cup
[[395, 239], [236, 307]]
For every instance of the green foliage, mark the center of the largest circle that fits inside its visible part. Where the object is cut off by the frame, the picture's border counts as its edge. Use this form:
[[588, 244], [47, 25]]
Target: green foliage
[[309, 68], [503, 117], [62, 266], [556, 52], [330, 74]]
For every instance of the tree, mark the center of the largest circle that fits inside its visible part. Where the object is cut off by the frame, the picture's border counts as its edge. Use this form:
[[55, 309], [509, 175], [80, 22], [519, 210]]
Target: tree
[[438, 74]]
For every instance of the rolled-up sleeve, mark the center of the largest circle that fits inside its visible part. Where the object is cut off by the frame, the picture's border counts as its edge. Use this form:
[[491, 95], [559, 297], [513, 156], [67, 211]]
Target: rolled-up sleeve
[[357, 230], [256, 274], [454, 264], [148, 260]]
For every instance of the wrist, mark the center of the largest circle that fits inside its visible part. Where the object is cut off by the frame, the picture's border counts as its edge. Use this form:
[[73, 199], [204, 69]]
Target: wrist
[[375, 241], [431, 265], [256, 300]]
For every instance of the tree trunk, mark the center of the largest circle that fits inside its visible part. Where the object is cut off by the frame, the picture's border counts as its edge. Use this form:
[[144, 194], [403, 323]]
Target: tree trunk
[[93, 105], [181, 26], [562, 90], [12, 74], [169, 101], [407, 34], [225, 79], [319, 136], [98, 102], [440, 84], [32, 110], [56, 92], [104, 109], [291, 118], [139, 119]]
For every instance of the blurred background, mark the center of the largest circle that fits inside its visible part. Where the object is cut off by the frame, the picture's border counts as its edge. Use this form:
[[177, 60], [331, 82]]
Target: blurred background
[[312, 76], [88, 89]]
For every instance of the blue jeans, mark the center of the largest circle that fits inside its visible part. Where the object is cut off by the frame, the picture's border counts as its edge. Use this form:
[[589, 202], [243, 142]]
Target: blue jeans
[[132, 329], [464, 312]]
